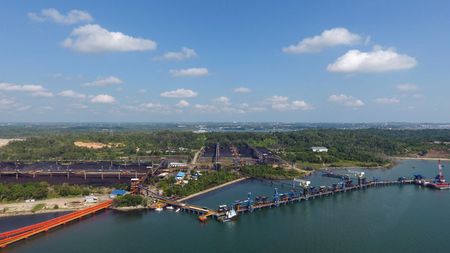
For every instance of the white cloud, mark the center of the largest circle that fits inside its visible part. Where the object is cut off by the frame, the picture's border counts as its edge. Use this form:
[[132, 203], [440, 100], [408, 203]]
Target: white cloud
[[242, 90], [179, 93], [103, 99], [182, 104], [407, 87], [300, 105], [79, 106], [23, 108], [191, 72], [378, 60], [387, 101], [21, 88], [328, 38], [185, 53], [222, 100], [42, 94], [72, 17], [346, 100], [33, 89], [282, 103], [71, 94], [206, 108], [6, 103], [110, 80], [96, 39]]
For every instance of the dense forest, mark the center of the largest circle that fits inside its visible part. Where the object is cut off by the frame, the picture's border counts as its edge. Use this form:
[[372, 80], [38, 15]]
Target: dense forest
[[371, 146]]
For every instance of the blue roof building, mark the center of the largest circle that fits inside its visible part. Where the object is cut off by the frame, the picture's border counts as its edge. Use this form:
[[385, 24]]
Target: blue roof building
[[118, 192], [180, 175]]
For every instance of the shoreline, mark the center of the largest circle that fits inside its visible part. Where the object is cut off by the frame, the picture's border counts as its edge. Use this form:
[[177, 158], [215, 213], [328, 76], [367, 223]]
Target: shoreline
[[420, 158], [68, 204], [212, 189]]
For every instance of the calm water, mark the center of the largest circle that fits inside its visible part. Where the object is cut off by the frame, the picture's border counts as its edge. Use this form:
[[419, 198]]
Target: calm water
[[391, 219]]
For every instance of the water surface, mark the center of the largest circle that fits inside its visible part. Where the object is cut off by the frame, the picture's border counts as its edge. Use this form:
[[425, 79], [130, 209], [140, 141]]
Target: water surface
[[388, 219]]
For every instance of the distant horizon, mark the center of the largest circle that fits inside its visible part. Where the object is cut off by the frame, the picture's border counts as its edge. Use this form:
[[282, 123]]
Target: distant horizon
[[218, 122]]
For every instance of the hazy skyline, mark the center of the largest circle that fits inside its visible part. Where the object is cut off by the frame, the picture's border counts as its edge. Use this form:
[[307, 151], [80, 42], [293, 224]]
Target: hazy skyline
[[160, 61]]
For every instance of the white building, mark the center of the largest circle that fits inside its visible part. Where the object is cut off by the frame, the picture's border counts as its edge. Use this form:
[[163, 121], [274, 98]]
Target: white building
[[319, 149], [176, 165]]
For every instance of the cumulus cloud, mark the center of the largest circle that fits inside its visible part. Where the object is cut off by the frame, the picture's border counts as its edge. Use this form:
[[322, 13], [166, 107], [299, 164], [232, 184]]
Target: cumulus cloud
[[378, 60], [96, 39], [103, 99], [42, 94], [407, 87], [179, 93], [191, 72], [7, 103], [33, 89], [71, 94], [387, 101], [328, 38], [72, 17], [182, 104], [107, 81], [282, 103], [222, 100], [346, 100], [79, 106], [184, 54], [206, 108], [242, 90]]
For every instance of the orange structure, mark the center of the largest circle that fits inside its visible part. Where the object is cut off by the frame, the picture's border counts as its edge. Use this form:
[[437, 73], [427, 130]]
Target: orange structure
[[15, 235]]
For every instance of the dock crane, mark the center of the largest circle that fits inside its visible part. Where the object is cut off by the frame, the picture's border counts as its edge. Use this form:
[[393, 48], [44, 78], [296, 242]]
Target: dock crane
[[248, 203], [304, 184], [359, 175]]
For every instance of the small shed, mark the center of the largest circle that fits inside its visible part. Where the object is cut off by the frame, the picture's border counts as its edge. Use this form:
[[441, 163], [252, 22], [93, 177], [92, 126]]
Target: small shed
[[117, 192], [180, 175]]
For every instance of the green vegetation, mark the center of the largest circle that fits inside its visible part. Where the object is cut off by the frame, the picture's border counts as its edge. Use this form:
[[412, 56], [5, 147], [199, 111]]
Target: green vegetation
[[130, 144], [267, 172], [38, 207], [65, 190], [42, 190], [12, 192], [205, 181], [365, 147], [129, 200]]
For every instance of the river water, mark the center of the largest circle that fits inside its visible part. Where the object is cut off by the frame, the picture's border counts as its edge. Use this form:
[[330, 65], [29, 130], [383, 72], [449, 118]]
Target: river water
[[404, 218]]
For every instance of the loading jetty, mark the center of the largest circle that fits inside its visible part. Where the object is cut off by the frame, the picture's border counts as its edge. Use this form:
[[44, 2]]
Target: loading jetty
[[301, 191]]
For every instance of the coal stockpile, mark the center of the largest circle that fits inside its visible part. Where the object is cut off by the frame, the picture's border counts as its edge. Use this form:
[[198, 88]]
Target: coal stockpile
[[225, 151], [71, 178], [74, 166], [209, 151], [245, 151], [266, 156]]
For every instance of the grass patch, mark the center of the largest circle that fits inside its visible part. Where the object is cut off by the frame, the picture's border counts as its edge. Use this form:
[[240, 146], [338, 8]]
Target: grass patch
[[38, 207]]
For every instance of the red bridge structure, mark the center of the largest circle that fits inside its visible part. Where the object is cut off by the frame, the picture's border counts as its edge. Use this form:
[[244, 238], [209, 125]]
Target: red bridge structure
[[9, 237]]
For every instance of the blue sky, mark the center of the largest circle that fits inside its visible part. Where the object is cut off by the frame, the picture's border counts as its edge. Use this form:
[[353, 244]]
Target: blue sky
[[293, 61]]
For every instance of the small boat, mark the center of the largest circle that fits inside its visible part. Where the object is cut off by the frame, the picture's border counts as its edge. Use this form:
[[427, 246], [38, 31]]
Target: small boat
[[178, 209], [202, 218], [169, 207], [159, 209]]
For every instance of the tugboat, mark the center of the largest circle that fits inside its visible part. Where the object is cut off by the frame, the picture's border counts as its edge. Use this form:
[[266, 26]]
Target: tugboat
[[439, 182]]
